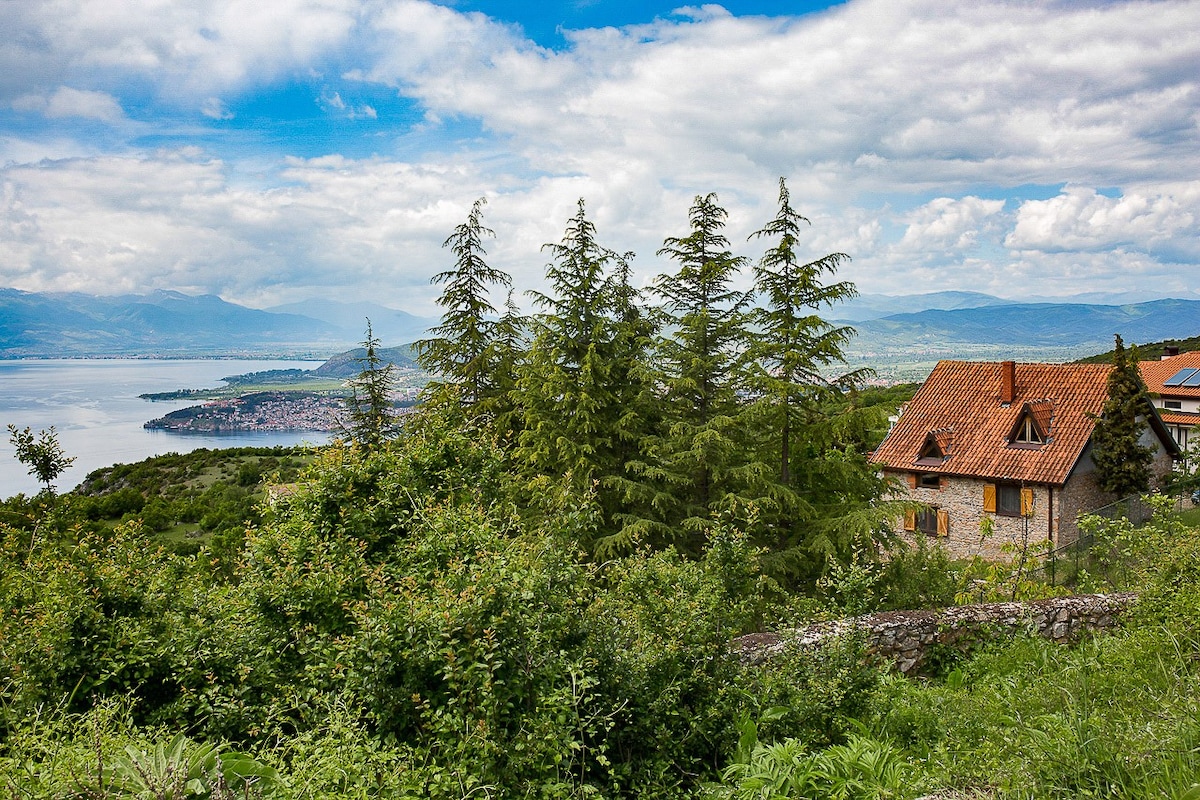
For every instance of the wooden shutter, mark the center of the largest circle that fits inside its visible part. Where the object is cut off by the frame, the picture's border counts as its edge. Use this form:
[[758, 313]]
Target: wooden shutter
[[912, 480], [943, 522], [989, 497], [1027, 502], [910, 520]]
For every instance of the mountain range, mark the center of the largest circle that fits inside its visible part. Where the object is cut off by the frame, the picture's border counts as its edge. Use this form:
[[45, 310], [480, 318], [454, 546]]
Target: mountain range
[[166, 323], [1049, 325]]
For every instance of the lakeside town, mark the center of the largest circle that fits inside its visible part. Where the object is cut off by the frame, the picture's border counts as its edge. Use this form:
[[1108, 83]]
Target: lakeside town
[[269, 411]]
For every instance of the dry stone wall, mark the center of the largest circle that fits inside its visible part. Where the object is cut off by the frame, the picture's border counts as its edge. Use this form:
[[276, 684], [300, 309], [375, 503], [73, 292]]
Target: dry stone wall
[[910, 638]]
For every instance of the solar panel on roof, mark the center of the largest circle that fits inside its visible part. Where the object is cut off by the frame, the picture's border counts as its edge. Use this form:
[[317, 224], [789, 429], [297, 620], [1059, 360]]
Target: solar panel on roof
[[1193, 379], [1179, 377]]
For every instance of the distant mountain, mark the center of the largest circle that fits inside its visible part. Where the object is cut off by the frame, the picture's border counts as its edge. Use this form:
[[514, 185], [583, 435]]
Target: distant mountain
[[391, 326], [162, 323], [349, 363], [877, 306], [1036, 325]]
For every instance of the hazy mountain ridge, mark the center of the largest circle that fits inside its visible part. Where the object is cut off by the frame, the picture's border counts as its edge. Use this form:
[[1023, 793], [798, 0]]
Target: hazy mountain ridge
[[391, 326], [876, 306], [167, 323], [162, 323], [1036, 324]]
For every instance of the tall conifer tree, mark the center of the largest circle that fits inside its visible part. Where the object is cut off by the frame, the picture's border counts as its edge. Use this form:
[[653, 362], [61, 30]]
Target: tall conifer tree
[[463, 351], [702, 372], [812, 482], [372, 418], [576, 383]]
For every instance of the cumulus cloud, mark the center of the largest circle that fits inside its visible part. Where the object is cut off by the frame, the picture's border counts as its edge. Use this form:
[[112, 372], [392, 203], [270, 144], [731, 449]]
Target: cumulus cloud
[[1081, 219], [946, 224], [190, 49], [871, 106], [68, 102]]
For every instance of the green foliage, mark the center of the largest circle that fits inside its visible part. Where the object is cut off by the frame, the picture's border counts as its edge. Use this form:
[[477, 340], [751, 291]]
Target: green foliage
[[182, 768], [860, 769], [42, 454], [1122, 463], [917, 576]]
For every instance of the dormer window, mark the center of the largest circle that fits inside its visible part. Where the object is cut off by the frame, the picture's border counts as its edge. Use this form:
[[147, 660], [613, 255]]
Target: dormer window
[[1027, 432], [936, 449], [1032, 429]]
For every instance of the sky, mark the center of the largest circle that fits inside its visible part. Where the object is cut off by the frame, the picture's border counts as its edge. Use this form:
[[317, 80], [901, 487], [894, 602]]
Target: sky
[[278, 150]]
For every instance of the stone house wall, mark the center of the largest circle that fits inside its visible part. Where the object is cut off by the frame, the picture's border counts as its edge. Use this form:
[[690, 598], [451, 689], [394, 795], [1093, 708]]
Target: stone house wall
[[910, 638], [962, 499]]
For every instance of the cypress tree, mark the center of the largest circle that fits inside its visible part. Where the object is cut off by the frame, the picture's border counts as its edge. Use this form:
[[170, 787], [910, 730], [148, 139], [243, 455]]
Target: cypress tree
[[1122, 463]]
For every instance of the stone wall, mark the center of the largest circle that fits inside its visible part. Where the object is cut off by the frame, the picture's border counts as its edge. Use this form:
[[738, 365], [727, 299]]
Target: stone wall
[[962, 499], [910, 638]]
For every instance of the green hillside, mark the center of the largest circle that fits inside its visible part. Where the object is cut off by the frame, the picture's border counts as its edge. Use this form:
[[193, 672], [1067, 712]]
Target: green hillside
[[1151, 351]]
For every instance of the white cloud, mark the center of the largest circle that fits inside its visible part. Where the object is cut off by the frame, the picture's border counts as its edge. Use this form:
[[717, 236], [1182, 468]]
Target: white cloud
[[869, 106], [214, 108], [68, 102], [1081, 220], [946, 224], [193, 48]]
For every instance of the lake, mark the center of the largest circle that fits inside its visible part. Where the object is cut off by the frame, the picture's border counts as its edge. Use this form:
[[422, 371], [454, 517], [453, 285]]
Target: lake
[[94, 406]]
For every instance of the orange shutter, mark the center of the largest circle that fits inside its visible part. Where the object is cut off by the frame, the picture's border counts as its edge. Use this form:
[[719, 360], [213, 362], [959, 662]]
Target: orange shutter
[[989, 497], [912, 480], [1027, 502], [910, 520], [943, 520]]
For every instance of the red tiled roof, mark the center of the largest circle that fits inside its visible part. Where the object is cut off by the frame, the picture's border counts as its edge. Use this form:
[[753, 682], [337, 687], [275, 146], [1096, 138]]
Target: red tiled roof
[[965, 396], [1179, 417], [1154, 373]]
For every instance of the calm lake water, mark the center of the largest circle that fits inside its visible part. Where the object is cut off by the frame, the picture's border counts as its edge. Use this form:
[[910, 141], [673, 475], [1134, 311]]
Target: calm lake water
[[94, 406]]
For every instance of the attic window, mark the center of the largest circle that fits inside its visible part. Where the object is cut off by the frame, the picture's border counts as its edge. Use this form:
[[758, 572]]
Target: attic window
[[1033, 425], [1027, 432]]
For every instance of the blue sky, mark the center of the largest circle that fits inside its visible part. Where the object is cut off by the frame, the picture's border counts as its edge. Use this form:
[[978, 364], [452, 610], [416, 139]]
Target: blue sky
[[283, 149]]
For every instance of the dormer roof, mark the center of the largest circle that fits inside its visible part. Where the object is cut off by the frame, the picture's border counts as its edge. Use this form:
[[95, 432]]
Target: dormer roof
[[1033, 423], [936, 448]]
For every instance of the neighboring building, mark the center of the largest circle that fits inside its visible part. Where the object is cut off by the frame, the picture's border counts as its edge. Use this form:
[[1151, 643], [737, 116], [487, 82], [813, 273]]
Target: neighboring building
[[1007, 442], [1174, 386]]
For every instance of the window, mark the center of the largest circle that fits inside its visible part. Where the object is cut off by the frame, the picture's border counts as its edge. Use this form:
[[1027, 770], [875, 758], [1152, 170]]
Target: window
[[1027, 432], [1008, 500], [1174, 405], [927, 481], [932, 522]]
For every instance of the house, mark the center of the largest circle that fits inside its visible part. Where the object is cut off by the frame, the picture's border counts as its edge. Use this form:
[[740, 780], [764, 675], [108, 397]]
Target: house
[[1005, 442], [1174, 387]]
